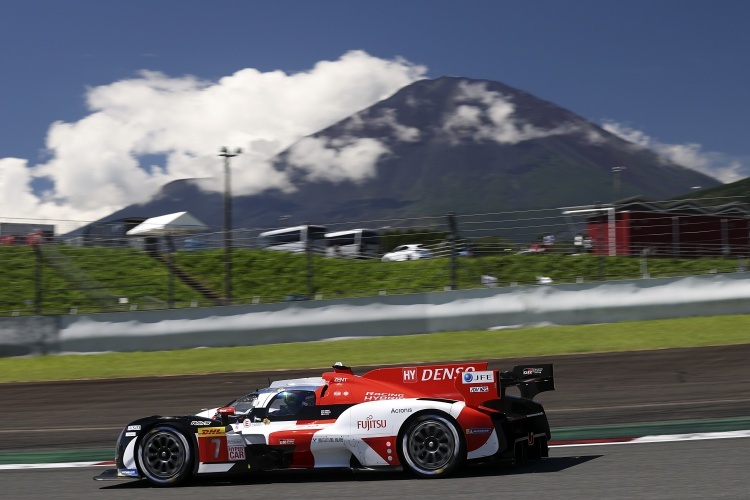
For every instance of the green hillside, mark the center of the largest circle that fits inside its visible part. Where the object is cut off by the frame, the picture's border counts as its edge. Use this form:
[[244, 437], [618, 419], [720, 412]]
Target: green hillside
[[738, 191], [61, 279]]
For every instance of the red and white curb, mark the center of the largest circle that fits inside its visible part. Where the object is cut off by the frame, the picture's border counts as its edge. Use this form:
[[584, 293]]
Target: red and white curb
[[667, 438]]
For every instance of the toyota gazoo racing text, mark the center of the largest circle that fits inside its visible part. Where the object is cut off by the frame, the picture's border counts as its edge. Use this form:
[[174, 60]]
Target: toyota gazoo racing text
[[428, 420]]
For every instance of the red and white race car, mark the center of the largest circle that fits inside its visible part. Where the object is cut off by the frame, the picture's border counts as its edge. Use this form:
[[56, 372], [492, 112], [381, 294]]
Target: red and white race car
[[429, 420]]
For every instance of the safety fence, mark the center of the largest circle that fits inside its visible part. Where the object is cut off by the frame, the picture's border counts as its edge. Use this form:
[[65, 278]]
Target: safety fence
[[71, 267]]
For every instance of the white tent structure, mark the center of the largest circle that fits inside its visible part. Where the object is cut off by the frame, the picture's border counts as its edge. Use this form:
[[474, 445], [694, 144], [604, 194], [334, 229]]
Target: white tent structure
[[168, 225]]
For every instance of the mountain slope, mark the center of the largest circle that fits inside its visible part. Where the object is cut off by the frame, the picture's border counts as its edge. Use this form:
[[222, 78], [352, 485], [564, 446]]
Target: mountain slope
[[449, 144]]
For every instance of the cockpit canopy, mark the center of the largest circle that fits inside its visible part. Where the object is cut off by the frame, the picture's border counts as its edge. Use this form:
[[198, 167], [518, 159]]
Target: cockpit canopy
[[274, 402]]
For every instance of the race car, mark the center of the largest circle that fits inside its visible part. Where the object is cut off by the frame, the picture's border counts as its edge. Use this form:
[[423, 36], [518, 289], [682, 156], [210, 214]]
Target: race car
[[428, 420]]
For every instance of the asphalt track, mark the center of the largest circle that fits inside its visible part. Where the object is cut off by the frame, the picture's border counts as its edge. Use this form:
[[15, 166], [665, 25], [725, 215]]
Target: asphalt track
[[591, 390], [715, 469], [618, 389]]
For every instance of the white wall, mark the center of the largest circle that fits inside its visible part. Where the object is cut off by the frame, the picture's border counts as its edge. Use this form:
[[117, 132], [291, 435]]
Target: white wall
[[584, 303]]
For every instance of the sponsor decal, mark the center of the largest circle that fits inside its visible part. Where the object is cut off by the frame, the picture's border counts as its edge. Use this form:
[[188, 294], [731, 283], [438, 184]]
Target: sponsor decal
[[246, 422], [532, 371], [337, 393], [401, 410], [211, 431], [131, 434], [478, 377], [479, 388], [266, 421], [325, 413], [328, 440], [286, 441], [371, 423], [128, 472], [413, 375], [236, 453], [235, 440], [339, 380], [200, 423], [346, 393], [134, 427], [481, 430], [410, 375], [377, 396]]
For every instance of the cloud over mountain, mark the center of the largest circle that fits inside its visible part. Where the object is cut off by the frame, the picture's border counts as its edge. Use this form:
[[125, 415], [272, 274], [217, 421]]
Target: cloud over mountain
[[152, 129], [147, 131], [690, 155]]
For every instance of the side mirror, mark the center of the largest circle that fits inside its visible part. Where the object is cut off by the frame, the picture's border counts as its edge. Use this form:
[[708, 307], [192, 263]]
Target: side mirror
[[224, 414]]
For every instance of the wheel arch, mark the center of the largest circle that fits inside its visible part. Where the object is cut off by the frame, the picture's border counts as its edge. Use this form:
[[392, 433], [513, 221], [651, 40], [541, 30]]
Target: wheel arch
[[431, 411], [178, 424]]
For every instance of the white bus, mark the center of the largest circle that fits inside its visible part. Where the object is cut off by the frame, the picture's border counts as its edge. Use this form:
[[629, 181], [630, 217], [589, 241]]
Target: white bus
[[295, 239], [354, 243]]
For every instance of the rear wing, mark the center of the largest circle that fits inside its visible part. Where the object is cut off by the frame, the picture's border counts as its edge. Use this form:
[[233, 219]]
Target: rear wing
[[530, 379], [478, 387]]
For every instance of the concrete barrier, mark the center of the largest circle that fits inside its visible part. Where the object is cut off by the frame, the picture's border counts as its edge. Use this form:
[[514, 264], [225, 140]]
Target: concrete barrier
[[568, 304], [26, 335]]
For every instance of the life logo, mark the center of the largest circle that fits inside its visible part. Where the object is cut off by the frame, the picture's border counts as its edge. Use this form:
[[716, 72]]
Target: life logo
[[478, 377]]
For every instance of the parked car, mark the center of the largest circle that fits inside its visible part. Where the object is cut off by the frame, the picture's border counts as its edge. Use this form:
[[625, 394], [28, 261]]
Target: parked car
[[428, 420], [407, 252]]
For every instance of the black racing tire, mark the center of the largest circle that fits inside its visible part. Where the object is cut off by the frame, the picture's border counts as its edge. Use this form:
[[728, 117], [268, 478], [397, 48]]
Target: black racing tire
[[165, 456], [431, 446]]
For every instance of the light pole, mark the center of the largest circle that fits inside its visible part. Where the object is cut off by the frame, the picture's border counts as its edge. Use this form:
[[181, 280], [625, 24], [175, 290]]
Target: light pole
[[616, 183], [228, 223]]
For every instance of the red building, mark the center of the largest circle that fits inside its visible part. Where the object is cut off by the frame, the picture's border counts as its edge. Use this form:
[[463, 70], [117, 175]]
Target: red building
[[675, 229]]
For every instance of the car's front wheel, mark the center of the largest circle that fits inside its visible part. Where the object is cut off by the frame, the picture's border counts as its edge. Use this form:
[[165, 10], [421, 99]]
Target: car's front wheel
[[431, 446], [164, 456]]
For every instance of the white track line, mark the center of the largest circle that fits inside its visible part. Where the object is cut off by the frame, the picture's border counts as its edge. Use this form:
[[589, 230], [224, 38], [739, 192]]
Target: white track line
[[667, 438]]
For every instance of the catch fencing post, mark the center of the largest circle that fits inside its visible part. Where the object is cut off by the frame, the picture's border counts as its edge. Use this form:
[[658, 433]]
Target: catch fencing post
[[310, 270], [454, 255], [38, 280]]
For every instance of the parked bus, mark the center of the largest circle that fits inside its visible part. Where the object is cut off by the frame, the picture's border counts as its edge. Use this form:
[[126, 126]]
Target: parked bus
[[354, 243], [295, 239]]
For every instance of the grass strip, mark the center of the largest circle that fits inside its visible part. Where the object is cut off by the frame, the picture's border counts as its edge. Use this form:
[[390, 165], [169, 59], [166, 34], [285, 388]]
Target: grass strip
[[435, 347]]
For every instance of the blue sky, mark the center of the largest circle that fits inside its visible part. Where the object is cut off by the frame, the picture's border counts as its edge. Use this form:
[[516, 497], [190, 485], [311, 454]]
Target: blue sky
[[673, 75]]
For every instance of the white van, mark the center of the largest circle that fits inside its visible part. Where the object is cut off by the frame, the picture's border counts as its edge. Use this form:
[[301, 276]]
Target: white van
[[295, 239], [353, 244]]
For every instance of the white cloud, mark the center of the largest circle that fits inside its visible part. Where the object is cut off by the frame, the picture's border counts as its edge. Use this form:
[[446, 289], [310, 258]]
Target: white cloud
[[99, 163], [386, 120], [688, 155], [15, 183], [337, 160], [488, 116]]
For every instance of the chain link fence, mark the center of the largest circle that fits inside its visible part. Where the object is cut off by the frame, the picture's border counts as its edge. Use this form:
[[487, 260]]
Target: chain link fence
[[74, 267]]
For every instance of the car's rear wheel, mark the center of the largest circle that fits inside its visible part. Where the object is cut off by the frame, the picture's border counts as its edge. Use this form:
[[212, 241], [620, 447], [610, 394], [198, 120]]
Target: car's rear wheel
[[164, 456], [431, 446]]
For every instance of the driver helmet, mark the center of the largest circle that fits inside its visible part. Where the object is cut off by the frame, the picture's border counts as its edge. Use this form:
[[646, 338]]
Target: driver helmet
[[290, 398]]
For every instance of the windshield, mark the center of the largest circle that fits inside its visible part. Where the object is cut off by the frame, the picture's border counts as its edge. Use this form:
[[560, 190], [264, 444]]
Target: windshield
[[288, 402], [245, 404], [278, 402]]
